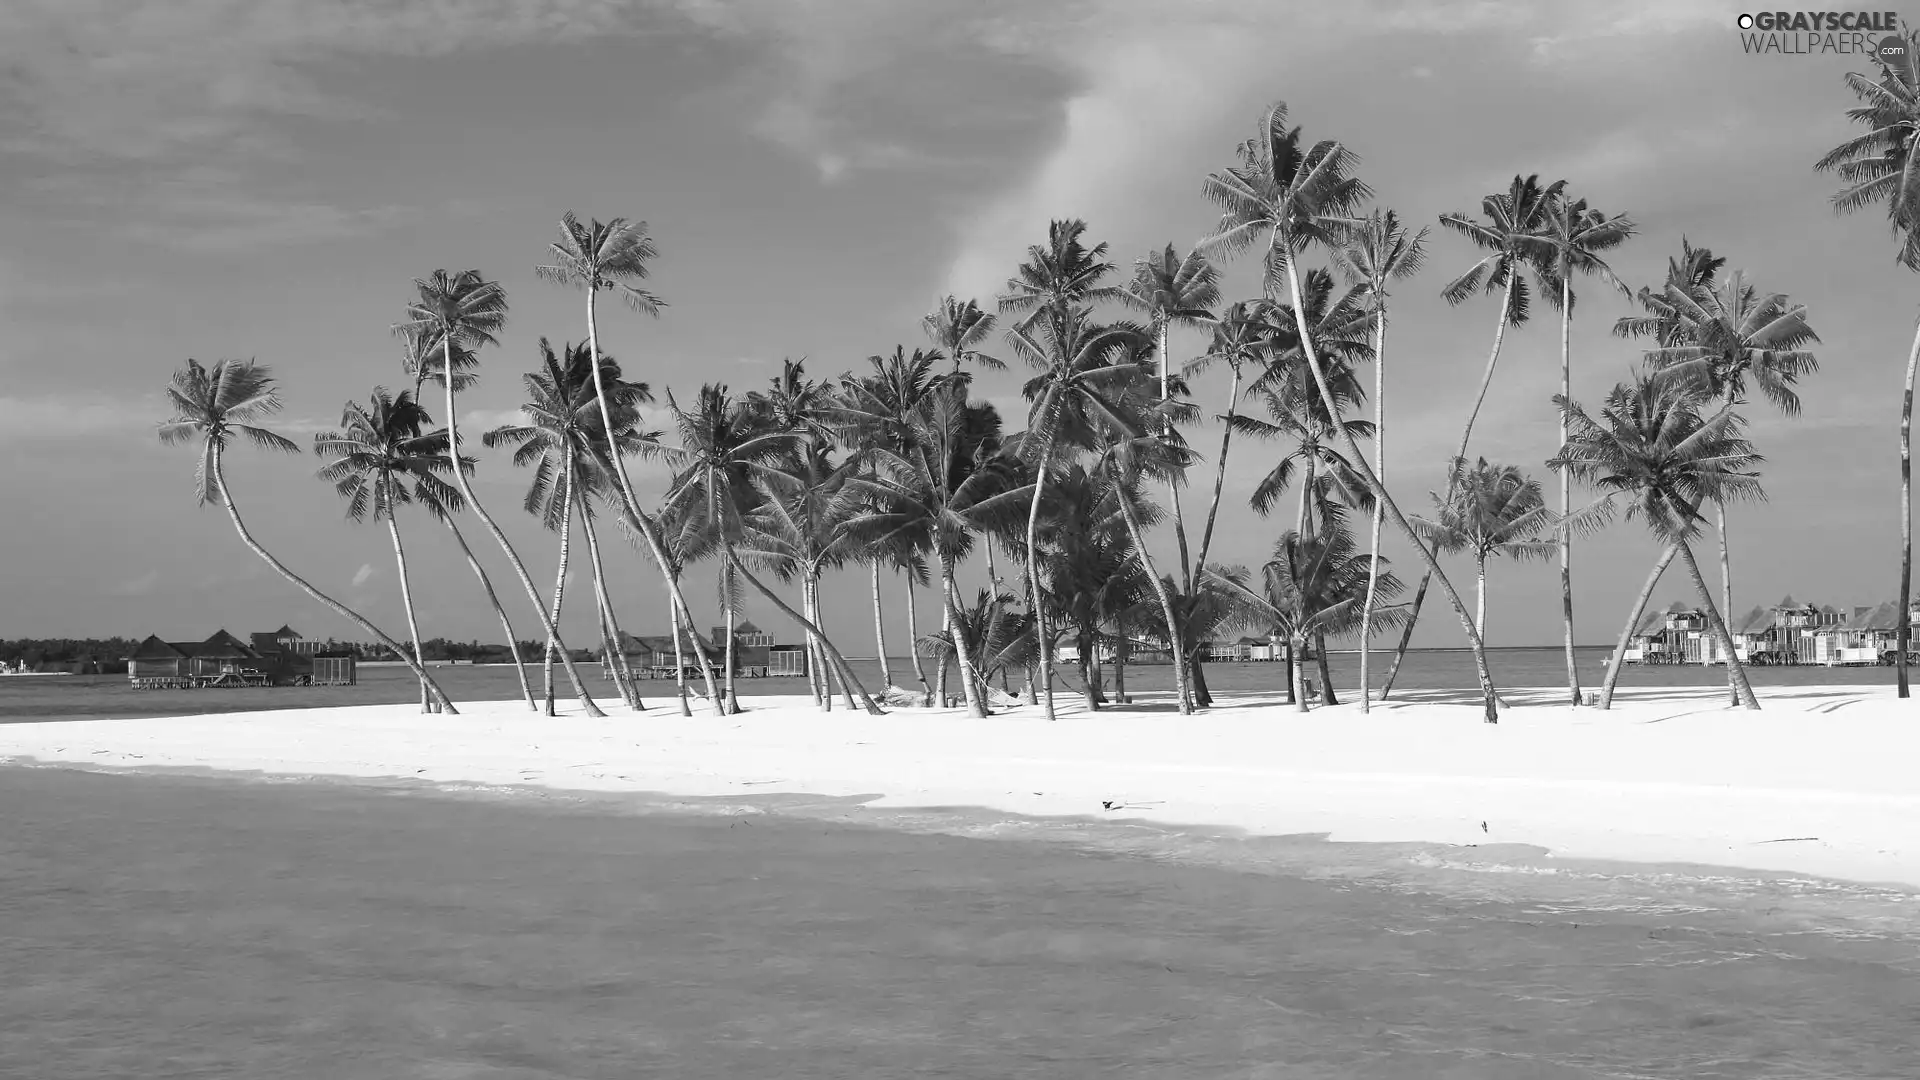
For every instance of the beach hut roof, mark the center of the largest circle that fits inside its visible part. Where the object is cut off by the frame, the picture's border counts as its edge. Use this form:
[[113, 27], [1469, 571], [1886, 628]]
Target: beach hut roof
[[1752, 622], [155, 649], [1785, 603], [285, 631], [222, 645], [745, 626], [1651, 623], [265, 643]]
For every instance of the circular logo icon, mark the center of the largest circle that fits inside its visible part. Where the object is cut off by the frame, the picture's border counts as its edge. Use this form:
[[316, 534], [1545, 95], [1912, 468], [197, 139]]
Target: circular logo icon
[[1891, 50], [1745, 22]]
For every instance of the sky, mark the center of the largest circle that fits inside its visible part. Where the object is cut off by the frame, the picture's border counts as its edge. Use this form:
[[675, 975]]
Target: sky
[[265, 178]]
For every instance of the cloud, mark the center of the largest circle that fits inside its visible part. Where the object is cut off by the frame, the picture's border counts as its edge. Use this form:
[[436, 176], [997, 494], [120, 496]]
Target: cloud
[[72, 416], [363, 575]]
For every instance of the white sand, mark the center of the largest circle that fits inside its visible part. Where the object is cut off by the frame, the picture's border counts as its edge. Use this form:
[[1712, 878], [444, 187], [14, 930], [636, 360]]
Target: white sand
[[1825, 780]]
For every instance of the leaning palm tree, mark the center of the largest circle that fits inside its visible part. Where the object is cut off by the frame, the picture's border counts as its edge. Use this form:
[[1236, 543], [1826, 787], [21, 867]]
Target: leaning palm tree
[[1242, 339], [466, 309], [1651, 448], [1376, 254], [1490, 511], [1577, 235], [381, 461], [229, 399], [1879, 167], [1171, 289], [1298, 196], [612, 256], [1725, 337]]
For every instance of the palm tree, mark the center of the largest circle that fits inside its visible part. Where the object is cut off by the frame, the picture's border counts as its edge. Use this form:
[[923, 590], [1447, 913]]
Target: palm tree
[[466, 309], [611, 256], [1880, 166], [995, 639], [423, 364], [1312, 587], [1241, 338], [1328, 472], [1723, 336], [1651, 447], [1085, 373], [1376, 254], [957, 331], [1170, 289], [1300, 196], [932, 491], [1059, 276], [383, 463], [1086, 546], [1576, 236], [1490, 511], [216, 404]]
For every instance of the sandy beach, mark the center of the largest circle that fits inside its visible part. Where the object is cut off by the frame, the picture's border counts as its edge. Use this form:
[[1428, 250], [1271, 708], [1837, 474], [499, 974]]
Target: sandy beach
[[1819, 783]]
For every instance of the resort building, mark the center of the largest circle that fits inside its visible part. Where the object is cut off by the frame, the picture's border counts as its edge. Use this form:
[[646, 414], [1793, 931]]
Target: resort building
[[1784, 633], [276, 658], [652, 655], [1869, 635]]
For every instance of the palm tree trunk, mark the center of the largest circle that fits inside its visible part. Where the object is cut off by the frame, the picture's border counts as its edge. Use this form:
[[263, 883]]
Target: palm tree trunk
[[1219, 476], [609, 662], [1083, 643], [1033, 567], [406, 600], [823, 686], [1466, 434], [1180, 685], [969, 685], [1380, 493], [1633, 621], [1297, 671], [679, 654], [880, 627], [913, 642], [1903, 634], [1566, 481], [1292, 695], [732, 662], [1303, 525], [1379, 470], [617, 655], [1326, 674], [1187, 569], [1120, 668], [1719, 628], [560, 576], [1480, 606], [513, 558], [787, 610], [486, 584], [946, 627], [213, 455], [1726, 587], [703, 658], [813, 589]]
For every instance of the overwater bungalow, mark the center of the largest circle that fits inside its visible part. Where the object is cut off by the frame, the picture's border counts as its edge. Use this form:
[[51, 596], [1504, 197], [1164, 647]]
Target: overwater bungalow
[[275, 658], [1869, 635], [652, 655]]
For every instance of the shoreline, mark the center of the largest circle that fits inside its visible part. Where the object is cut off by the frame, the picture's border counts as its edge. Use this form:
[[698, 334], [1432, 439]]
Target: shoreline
[[1816, 784]]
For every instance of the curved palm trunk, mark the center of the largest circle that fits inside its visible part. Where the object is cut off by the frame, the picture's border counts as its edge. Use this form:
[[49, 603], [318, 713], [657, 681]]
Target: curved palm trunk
[[679, 655], [560, 575], [1903, 636], [963, 652], [406, 600], [513, 558], [226, 499], [732, 661], [1726, 586], [1633, 620], [1373, 536], [1187, 569], [1566, 482], [913, 643], [1380, 493], [1466, 434], [1219, 476], [616, 654], [816, 660], [1033, 570], [1180, 684], [880, 628], [486, 584], [1719, 628], [787, 610], [643, 524]]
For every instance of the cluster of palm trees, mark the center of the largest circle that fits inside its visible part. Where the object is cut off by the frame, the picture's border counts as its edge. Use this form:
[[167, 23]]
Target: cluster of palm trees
[[900, 470]]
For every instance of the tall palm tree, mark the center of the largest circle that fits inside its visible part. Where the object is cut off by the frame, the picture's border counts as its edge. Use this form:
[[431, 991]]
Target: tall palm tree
[[214, 405], [1651, 448], [1242, 336], [1173, 289], [957, 331], [423, 365], [1878, 167], [1378, 253], [381, 462], [465, 308], [1084, 374], [1298, 196], [1491, 511], [1577, 235], [1514, 239], [1726, 336], [611, 257], [1059, 276]]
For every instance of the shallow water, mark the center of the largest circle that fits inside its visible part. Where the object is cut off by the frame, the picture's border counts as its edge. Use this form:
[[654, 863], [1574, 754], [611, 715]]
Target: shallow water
[[193, 926]]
